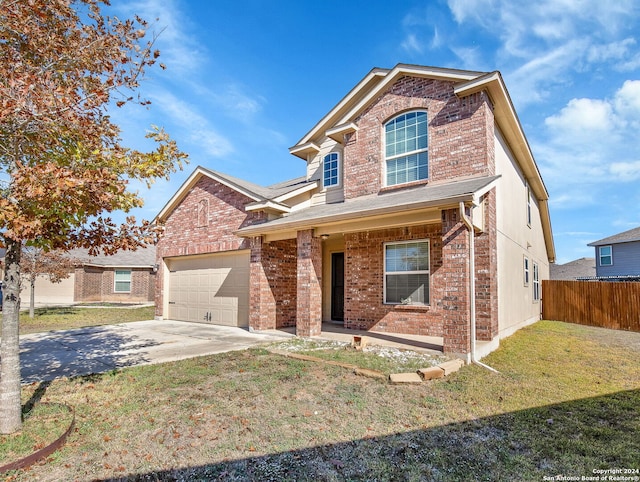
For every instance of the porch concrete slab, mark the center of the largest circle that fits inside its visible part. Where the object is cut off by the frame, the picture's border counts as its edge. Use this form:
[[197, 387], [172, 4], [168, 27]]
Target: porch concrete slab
[[399, 378], [431, 345], [69, 353]]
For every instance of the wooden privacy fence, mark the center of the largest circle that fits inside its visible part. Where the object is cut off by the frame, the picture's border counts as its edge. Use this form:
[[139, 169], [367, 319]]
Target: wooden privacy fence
[[608, 304]]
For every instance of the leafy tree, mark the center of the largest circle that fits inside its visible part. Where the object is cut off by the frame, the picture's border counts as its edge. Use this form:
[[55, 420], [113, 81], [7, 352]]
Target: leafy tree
[[63, 167], [55, 265]]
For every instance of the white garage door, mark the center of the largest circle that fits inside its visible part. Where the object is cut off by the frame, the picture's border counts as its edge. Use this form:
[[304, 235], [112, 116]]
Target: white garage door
[[210, 289]]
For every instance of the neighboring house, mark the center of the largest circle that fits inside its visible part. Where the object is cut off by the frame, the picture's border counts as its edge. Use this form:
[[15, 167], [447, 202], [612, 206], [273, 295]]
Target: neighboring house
[[125, 277], [416, 177], [577, 269], [618, 256]]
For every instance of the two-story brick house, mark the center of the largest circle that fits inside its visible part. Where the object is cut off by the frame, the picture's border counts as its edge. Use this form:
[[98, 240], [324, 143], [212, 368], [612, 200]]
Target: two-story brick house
[[417, 178]]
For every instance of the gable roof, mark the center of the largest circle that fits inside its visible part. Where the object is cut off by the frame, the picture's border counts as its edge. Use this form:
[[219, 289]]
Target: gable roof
[[274, 194], [394, 202], [578, 268], [341, 117], [624, 237], [144, 257]]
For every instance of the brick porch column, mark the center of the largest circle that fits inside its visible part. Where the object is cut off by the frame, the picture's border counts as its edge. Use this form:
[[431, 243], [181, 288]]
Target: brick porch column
[[262, 303], [455, 301], [309, 291]]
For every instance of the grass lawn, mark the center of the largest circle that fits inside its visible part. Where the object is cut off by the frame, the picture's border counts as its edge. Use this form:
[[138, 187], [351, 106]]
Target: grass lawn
[[566, 402], [65, 318]]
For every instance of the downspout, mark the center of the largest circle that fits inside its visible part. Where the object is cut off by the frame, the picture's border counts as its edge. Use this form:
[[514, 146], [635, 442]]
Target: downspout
[[472, 287]]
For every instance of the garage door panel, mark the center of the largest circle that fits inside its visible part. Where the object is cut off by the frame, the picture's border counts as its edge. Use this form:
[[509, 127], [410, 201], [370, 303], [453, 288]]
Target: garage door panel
[[211, 289]]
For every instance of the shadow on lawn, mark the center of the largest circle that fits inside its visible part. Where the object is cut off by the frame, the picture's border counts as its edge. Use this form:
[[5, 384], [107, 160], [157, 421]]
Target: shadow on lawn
[[570, 439], [98, 349]]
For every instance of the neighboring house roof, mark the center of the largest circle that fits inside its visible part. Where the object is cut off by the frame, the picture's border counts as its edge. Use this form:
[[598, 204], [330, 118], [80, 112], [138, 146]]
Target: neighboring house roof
[[140, 258], [624, 237], [578, 268], [261, 195], [393, 202]]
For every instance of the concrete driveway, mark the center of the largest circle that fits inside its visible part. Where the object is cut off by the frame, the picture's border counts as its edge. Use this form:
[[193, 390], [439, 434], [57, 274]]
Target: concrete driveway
[[55, 354]]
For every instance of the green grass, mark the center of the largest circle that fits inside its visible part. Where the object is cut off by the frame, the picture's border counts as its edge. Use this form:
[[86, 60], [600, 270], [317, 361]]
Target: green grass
[[566, 402], [65, 318], [42, 425]]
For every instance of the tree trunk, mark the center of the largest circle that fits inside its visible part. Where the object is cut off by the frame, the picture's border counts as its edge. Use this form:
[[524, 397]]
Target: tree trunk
[[32, 297], [10, 403]]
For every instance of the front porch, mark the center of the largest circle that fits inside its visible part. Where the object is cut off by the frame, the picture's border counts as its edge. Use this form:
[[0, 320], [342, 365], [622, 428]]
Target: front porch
[[432, 345]]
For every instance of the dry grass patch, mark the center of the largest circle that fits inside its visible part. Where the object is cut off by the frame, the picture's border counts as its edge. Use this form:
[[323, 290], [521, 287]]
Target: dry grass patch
[[566, 402], [70, 317]]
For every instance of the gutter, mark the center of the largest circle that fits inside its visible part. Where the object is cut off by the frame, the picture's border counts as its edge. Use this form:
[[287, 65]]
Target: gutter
[[472, 287]]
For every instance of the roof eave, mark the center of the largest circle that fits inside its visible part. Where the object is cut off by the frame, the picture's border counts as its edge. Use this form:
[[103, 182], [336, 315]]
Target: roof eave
[[191, 181], [264, 228]]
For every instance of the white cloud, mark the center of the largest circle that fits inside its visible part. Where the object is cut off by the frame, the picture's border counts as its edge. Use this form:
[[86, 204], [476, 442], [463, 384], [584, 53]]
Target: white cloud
[[625, 171], [583, 118], [543, 42], [591, 145], [180, 51], [198, 129], [411, 44]]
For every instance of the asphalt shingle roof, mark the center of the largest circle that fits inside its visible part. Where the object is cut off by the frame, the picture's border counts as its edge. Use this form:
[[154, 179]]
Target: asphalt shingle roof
[[430, 195], [578, 268], [624, 237]]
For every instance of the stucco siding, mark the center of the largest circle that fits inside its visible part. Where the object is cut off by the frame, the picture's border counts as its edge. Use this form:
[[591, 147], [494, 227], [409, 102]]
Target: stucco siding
[[516, 241], [626, 260]]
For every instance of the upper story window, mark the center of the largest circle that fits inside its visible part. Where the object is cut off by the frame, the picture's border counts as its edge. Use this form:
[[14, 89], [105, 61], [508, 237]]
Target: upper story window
[[605, 255], [331, 169], [406, 153]]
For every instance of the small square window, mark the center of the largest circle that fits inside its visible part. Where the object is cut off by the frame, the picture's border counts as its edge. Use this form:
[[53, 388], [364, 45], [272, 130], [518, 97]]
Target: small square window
[[122, 282], [606, 256]]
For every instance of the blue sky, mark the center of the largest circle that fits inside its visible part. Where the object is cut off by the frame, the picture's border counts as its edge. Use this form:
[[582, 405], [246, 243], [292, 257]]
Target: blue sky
[[246, 80]]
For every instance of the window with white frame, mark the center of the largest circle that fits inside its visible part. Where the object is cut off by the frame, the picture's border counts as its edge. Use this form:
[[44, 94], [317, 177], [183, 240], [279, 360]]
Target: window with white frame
[[331, 170], [536, 283], [406, 272], [605, 254], [406, 149], [122, 281], [526, 271]]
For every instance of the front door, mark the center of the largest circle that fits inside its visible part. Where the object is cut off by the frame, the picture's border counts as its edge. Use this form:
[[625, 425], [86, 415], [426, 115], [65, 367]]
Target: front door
[[337, 286]]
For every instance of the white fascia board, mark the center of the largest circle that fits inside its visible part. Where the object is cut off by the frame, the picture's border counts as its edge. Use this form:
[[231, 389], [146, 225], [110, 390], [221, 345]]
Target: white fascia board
[[412, 70], [302, 150], [189, 183], [296, 192], [337, 133], [508, 120], [321, 126], [267, 206], [481, 192]]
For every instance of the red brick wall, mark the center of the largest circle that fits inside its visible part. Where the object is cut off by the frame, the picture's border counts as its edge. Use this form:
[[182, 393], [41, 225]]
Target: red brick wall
[[364, 280], [188, 232], [309, 294], [95, 284], [455, 267], [460, 134], [273, 289], [487, 273]]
